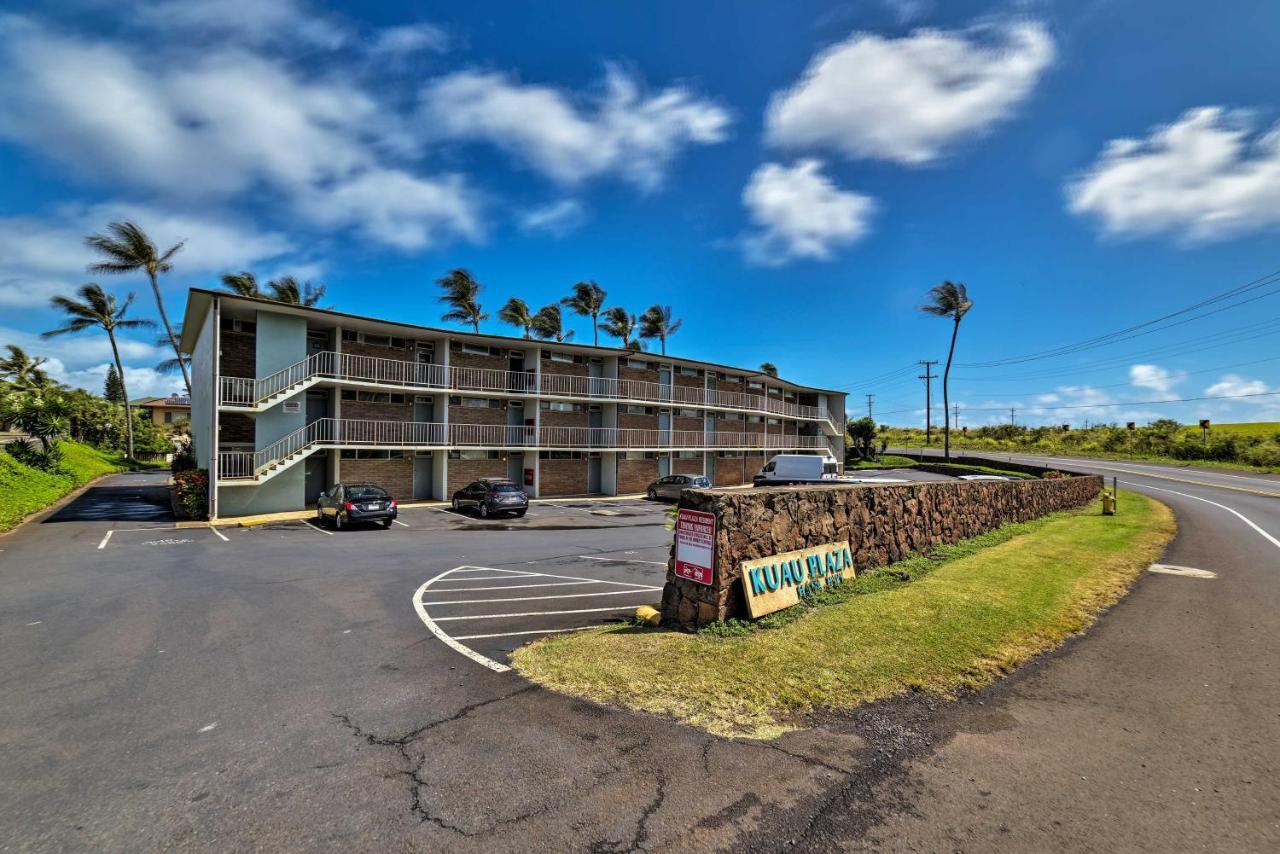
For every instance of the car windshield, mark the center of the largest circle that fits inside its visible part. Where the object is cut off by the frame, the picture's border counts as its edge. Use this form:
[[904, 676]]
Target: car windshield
[[364, 493], [505, 487]]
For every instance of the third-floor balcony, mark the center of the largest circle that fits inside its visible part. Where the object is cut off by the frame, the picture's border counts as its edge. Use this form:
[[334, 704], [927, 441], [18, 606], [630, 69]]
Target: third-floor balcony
[[257, 394]]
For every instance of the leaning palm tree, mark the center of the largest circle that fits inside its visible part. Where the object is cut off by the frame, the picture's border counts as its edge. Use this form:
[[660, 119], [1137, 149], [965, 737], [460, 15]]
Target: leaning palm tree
[[98, 309], [126, 249], [948, 300], [623, 325], [548, 324], [588, 301], [286, 289], [461, 294], [517, 313], [243, 284], [769, 369], [22, 370], [656, 322], [169, 366]]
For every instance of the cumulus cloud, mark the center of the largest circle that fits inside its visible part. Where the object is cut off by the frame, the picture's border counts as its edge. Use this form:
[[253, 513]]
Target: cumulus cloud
[[1154, 377], [40, 257], [800, 213], [557, 218], [248, 21], [82, 360], [908, 99], [410, 38], [224, 123], [569, 137], [1204, 177], [1234, 385]]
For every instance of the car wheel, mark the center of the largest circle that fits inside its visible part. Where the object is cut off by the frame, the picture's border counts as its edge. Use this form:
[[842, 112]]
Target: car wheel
[[337, 522], [456, 508], [520, 513], [386, 525], [484, 511], [653, 495]]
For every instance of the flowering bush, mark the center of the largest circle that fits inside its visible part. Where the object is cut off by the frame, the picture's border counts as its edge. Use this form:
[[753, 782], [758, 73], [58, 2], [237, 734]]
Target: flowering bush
[[192, 489]]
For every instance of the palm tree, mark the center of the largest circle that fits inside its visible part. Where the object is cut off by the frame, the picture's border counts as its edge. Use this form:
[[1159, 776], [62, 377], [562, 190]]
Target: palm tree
[[548, 323], [461, 292], [168, 366], [22, 370], [517, 313], [287, 290], [656, 322], [244, 284], [948, 300], [622, 325], [99, 309], [769, 369], [588, 301], [126, 249]]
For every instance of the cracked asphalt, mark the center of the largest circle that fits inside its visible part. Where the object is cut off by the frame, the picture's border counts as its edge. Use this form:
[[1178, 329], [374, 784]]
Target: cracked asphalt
[[277, 691]]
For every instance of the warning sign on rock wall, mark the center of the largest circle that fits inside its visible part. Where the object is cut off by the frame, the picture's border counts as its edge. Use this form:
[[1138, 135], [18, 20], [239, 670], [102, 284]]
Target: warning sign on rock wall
[[695, 545]]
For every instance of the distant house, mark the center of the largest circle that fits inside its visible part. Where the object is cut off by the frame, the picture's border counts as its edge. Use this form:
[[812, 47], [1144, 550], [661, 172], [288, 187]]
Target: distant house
[[166, 411]]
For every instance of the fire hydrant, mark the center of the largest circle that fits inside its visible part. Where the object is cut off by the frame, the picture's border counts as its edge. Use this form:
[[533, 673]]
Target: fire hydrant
[[1108, 504]]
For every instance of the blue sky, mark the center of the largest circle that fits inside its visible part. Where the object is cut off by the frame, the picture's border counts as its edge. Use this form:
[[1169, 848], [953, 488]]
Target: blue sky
[[791, 178]]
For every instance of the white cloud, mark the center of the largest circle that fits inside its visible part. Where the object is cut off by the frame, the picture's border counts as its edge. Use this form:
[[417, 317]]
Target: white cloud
[[43, 257], [223, 123], [908, 99], [624, 131], [410, 38], [142, 381], [248, 21], [909, 10], [1201, 178], [800, 213], [1154, 377], [1234, 385], [557, 218]]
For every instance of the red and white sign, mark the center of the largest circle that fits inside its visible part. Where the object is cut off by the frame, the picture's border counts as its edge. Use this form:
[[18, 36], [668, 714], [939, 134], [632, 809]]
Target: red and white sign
[[695, 545]]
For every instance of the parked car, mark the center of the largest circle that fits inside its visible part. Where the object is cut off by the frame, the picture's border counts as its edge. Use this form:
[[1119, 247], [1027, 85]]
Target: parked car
[[490, 496], [797, 468], [672, 485], [347, 503]]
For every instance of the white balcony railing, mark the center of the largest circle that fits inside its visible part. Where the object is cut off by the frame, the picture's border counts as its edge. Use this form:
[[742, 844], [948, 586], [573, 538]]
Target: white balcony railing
[[250, 393], [350, 432]]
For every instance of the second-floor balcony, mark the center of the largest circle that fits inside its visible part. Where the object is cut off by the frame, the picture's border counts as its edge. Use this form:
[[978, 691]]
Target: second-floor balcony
[[250, 394]]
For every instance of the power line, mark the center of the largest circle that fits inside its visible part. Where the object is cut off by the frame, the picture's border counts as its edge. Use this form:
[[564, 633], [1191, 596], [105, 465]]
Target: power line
[[1113, 403]]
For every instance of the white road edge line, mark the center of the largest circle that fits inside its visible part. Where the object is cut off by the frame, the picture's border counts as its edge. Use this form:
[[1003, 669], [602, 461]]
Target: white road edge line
[[105, 538], [532, 598], [1235, 513], [540, 613], [624, 560], [221, 535], [533, 632], [440, 633]]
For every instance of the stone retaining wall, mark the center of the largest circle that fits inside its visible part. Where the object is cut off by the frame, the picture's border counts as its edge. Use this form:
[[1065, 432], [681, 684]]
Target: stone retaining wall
[[882, 524]]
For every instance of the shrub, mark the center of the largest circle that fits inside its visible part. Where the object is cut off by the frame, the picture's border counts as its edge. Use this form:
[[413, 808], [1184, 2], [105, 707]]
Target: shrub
[[192, 489], [26, 452], [1266, 455], [183, 460]]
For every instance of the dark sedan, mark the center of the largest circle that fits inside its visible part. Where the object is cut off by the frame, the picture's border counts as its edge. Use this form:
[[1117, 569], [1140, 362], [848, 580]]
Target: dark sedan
[[672, 485], [491, 497], [348, 503]]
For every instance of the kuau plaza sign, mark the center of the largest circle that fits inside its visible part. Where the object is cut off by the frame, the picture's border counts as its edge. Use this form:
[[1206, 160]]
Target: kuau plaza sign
[[773, 583]]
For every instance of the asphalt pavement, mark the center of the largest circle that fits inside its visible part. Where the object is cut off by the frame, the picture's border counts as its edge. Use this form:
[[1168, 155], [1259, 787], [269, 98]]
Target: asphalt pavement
[[278, 688]]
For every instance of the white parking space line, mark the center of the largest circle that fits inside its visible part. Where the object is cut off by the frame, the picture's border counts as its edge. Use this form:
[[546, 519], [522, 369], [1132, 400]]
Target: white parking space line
[[490, 577], [105, 539], [530, 632], [532, 598], [523, 586], [539, 613], [221, 535], [315, 527], [398, 522], [440, 633], [623, 560], [489, 569]]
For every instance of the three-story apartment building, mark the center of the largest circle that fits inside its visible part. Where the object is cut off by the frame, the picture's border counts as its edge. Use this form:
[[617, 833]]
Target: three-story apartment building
[[287, 400]]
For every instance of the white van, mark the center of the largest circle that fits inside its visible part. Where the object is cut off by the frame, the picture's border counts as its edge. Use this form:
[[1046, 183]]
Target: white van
[[797, 468]]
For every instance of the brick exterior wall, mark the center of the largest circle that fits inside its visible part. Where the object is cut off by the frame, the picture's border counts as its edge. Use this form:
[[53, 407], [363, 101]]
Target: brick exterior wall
[[729, 471], [636, 475], [647, 375], [751, 465], [395, 476], [573, 369], [462, 472], [366, 410], [637, 422], [550, 418], [235, 427], [458, 359], [562, 477], [239, 354], [693, 466], [475, 415], [407, 353]]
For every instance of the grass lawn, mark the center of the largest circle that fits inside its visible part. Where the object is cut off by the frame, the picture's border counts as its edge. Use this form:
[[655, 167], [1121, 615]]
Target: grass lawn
[[24, 490], [886, 461], [957, 620]]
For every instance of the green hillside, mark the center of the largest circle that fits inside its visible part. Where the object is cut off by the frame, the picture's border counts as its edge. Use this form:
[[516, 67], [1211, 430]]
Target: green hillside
[[24, 490]]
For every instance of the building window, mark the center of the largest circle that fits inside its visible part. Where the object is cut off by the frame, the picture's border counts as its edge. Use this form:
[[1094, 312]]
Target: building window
[[639, 455], [472, 349], [371, 454], [235, 324], [633, 409], [560, 455], [562, 357], [688, 372], [371, 396], [754, 419], [560, 406], [731, 455], [687, 413], [377, 340], [472, 454], [476, 402], [774, 422], [755, 384], [731, 416], [688, 455], [168, 418], [638, 364], [350, 335]]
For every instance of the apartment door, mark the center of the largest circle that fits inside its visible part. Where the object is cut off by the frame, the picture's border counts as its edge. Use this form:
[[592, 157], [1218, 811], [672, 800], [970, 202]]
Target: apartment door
[[515, 365], [515, 467], [664, 427], [664, 381], [317, 476], [593, 473], [664, 465], [317, 341], [423, 465], [424, 408], [317, 405], [709, 466], [595, 381], [424, 373]]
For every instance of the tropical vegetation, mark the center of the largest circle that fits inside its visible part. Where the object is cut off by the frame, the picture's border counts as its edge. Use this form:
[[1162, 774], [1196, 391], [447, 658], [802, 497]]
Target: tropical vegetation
[[462, 295], [658, 322], [623, 325], [285, 289], [949, 300], [587, 300]]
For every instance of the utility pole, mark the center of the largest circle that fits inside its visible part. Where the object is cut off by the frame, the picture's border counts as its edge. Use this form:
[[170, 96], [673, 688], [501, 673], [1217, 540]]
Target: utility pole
[[955, 415], [870, 398], [928, 377], [1011, 411]]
